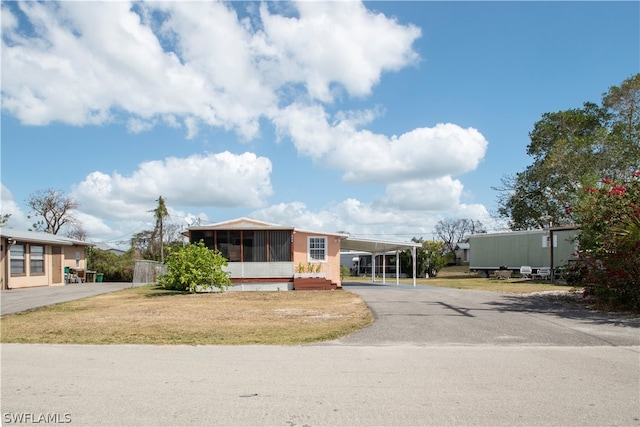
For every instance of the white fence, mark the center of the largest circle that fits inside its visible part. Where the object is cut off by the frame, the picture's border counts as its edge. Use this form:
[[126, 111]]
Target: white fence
[[147, 272]]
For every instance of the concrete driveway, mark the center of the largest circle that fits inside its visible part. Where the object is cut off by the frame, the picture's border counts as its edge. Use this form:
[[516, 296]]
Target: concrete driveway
[[438, 357], [16, 300]]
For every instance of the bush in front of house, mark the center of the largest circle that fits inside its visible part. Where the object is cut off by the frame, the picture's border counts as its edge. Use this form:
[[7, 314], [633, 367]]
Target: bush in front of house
[[195, 267]]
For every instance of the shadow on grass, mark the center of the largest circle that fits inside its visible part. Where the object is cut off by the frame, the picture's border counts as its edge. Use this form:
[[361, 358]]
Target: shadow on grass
[[153, 291]]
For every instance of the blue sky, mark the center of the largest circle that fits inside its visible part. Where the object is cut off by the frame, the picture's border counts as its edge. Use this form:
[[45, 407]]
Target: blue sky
[[376, 118]]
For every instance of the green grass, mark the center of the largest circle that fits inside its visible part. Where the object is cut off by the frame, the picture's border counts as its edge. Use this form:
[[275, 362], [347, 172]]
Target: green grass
[[149, 315]]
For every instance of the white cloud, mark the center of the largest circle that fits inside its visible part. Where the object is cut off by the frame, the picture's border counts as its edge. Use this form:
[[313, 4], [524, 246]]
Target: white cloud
[[215, 180], [423, 153], [197, 62], [433, 195], [18, 218], [137, 126], [371, 220], [338, 42]]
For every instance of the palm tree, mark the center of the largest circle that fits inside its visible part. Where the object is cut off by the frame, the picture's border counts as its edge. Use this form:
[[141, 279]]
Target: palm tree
[[160, 213]]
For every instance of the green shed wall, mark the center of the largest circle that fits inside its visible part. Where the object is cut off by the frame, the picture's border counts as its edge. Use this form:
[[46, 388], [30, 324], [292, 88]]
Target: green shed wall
[[515, 249]]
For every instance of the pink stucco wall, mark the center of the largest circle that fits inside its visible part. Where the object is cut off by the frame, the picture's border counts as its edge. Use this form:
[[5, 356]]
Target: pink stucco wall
[[330, 268]]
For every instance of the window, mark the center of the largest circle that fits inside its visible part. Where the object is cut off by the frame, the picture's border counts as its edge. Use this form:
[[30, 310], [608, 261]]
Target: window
[[317, 249], [17, 259], [254, 246], [280, 246], [36, 261], [546, 239], [234, 246], [248, 245], [228, 243]]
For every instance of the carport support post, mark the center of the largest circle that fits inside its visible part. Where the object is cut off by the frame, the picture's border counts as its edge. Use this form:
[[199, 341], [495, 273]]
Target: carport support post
[[397, 268], [373, 267], [415, 269], [384, 267]]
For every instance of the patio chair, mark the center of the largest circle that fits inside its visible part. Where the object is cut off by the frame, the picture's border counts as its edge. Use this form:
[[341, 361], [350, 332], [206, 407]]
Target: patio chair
[[543, 273], [525, 271]]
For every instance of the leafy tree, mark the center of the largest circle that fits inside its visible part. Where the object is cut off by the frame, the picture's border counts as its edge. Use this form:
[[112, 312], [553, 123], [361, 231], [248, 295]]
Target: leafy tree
[[406, 260], [623, 103], [436, 260], [4, 218], [54, 210], [609, 214], [143, 241], [454, 231], [194, 266], [115, 268], [429, 258], [140, 242], [570, 150]]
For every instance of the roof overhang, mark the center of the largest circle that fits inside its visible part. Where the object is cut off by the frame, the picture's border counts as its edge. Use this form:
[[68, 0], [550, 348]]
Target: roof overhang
[[375, 246], [44, 238]]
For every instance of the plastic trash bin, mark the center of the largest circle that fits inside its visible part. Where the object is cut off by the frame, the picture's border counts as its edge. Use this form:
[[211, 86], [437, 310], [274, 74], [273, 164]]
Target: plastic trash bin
[[99, 277]]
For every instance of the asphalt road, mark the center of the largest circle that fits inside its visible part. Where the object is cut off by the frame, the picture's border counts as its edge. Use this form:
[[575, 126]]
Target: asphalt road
[[438, 357]]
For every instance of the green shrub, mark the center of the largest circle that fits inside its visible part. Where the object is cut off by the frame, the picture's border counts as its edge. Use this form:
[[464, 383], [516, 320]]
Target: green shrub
[[609, 242], [195, 267], [114, 268]]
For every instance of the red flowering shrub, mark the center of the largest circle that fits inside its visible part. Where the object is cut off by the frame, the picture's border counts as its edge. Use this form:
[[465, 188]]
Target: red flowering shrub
[[609, 245]]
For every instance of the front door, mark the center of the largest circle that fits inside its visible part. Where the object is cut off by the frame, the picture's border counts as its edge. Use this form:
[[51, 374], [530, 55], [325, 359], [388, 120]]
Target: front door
[[56, 274]]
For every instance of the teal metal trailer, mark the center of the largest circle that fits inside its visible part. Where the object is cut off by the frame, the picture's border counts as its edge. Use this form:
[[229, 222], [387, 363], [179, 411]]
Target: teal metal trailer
[[489, 252]]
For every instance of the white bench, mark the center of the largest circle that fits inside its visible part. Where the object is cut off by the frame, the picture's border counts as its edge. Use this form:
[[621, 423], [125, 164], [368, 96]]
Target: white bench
[[525, 271], [543, 273]]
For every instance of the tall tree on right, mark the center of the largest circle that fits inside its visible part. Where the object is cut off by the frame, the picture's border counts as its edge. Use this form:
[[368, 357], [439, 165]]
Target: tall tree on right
[[571, 150]]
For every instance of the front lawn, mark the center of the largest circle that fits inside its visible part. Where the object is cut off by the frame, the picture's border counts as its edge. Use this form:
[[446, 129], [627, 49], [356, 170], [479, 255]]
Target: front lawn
[[149, 315]]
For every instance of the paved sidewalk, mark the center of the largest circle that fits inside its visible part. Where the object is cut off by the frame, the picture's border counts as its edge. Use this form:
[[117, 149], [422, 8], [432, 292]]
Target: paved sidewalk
[[16, 300]]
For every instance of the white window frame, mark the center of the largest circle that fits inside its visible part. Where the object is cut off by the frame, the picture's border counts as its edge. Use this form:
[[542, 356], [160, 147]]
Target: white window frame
[[325, 248], [546, 239]]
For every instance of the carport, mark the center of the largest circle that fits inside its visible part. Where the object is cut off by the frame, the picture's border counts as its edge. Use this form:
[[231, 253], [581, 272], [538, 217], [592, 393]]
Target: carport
[[377, 247]]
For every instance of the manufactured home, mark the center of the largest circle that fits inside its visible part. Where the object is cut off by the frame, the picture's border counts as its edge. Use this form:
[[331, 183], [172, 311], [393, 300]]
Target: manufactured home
[[30, 259], [265, 256], [547, 249]]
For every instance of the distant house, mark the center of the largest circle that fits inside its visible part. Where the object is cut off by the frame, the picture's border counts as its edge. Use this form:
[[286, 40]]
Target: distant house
[[107, 247], [30, 259], [265, 256]]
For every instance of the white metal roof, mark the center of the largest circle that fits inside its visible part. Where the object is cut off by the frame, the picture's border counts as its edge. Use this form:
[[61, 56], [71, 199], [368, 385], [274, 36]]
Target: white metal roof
[[375, 246], [35, 237], [252, 224]]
